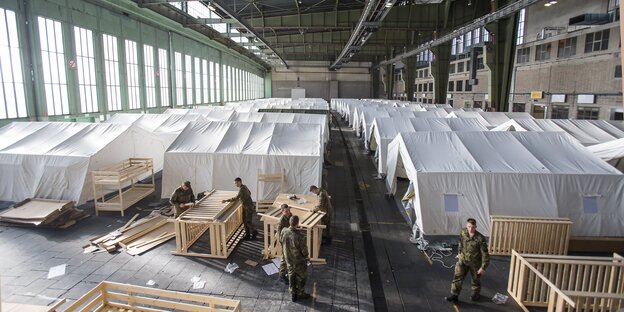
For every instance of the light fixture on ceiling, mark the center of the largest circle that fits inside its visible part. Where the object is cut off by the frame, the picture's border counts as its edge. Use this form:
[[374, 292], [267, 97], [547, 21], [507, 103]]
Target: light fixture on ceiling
[[389, 4], [469, 2], [549, 3]]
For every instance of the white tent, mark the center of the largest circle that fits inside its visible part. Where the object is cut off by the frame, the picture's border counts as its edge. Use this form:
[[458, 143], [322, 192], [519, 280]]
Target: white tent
[[53, 159], [384, 130], [212, 154], [456, 175], [316, 119], [153, 133]]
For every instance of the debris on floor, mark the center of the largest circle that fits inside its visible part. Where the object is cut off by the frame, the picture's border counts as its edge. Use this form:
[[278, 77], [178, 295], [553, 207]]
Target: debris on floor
[[43, 213], [57, 271], [251, 263], [231, 267]]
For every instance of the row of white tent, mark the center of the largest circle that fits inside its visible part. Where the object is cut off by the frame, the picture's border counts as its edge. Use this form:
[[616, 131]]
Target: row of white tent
[[459, 168], [54, 159]]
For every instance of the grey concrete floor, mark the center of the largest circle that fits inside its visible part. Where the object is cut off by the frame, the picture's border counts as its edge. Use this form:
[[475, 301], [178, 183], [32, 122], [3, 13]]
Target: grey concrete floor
[[371, 265]]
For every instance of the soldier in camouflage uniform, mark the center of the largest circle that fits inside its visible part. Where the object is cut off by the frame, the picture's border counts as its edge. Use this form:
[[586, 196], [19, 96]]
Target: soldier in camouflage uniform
[[283, 223], [295, 254], [473, 258], [182, 199], [244, 195], [324, 206]]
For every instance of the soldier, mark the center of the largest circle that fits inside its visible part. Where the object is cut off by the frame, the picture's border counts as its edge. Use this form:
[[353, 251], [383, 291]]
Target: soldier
[[473, 257], [324, 206], [283, 223], [182, 199], [244, 195], [295, 254]]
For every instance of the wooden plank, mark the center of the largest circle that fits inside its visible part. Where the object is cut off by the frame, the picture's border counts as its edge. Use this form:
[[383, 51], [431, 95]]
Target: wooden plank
[[36, 208]]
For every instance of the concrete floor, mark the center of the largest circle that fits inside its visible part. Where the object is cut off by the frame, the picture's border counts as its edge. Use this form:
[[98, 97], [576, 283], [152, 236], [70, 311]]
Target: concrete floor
[[371, 265]]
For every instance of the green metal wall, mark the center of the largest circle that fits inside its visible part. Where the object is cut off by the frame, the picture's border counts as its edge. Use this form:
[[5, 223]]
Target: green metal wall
[[124, 20]]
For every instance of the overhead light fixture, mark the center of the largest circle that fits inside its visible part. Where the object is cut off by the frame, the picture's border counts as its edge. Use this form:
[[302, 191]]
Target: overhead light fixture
[[469, 2], [389, 4]]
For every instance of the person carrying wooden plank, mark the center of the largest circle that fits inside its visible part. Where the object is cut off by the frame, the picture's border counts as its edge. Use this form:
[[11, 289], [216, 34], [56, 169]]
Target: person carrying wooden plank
[[473, 258], [283, 223], [244, 195], [324, 206], [182, 199], [295, 253]]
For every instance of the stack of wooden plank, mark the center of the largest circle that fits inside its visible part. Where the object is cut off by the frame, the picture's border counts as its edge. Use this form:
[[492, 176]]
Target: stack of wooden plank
[[43, 213], [136, 237]]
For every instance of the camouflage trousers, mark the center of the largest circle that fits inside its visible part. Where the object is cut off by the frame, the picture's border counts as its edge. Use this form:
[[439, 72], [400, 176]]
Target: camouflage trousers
[[248, 220], [461, 270], [326, 220], [178, 210], [283, 268], [297, 275]]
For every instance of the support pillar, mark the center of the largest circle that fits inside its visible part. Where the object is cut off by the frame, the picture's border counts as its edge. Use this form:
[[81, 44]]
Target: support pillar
[[440, 71], [410, 77], [499, 58], [389, 81]]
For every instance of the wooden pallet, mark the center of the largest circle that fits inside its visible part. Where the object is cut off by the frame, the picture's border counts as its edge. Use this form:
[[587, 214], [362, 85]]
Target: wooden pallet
[[264, 204], [534, 235], [309, 221], [109, 296], [222, 221], [114, 179], [567, 283]]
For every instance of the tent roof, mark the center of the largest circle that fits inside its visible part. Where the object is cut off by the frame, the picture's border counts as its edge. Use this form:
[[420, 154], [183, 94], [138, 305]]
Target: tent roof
[[156, 123], [222, 137], [389, 127], [61, 138], [501, 152]]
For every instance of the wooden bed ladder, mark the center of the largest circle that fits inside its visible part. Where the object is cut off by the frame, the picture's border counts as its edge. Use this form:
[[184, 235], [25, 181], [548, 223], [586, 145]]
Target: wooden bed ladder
[[264, 204]]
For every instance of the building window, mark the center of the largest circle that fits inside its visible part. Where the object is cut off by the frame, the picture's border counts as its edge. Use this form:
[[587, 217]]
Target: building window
[[467, 66], [567, 47], [518, 107], [452, 68], [419, 88], [150, 75], [53, 65], [198, 82], [588, 113], [424, 87], [480, 64], [205, 80], [163, 75], [560, 112], [451, 86], [13, 99], [132, 73], [85, 65], [111, 69], [523, 55], [460, 67], [542, 52], [188, 78], [213, 78], [468, 86], [459, 85], [521, 20], [179, 79], [217, 69], [597, 41], [618, 71]]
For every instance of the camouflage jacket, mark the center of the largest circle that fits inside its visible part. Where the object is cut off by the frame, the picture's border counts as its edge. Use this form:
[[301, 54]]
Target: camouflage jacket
[[294, 248], [181, 196], [324, 203], [283, 223], [244, 195], [473, 250]]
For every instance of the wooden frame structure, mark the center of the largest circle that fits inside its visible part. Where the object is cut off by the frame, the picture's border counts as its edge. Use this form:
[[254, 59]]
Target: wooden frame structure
[[264, 204], [550, 236], [567, 283], [115, 177], [223, 221], [109, 296], [308, 221]]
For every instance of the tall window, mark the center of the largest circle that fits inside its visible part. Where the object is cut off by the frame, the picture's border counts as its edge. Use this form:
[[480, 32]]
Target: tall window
[[205, 80], [213, 79], [521, 20], [523, 55], [163, 75], [225, 84], [567, 47], [597, 41], [111, 69], [132, 72], [53, 63], [198, 82], [560, 112], [588, 113], [188, 67], [85, 64], [179, 79], [217, 83], [12, 95], [150, 75]]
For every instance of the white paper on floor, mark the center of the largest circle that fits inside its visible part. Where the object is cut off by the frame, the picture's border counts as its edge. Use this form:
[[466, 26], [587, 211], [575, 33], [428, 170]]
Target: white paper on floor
[[57, 271], [277, 261], [231, 267], [199, 284], [195, 279], [150, 283], [270, 268]]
